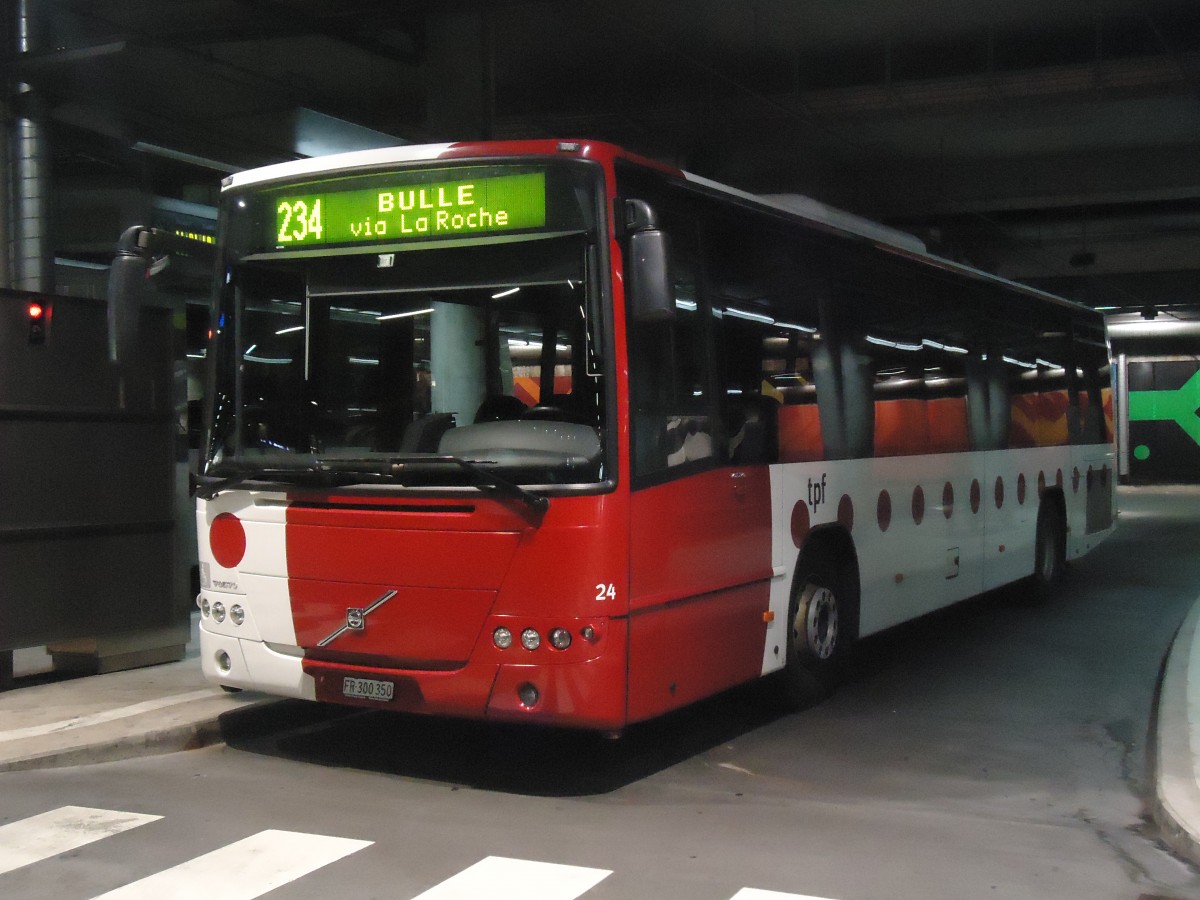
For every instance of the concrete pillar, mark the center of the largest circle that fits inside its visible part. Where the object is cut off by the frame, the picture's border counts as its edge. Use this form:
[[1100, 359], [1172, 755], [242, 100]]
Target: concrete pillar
[[456, 335]]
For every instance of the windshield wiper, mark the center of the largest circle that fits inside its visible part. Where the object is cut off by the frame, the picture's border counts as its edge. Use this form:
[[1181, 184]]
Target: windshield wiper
[[206, 487], [536, 502], [394, 467], [333, 470]]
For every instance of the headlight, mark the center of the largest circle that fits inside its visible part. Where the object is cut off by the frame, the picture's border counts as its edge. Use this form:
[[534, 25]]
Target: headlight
[[530, 639], [502, 638]]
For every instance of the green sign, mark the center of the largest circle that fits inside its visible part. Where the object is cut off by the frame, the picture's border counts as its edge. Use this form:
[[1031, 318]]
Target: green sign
[[405, 210], [1181, 406]]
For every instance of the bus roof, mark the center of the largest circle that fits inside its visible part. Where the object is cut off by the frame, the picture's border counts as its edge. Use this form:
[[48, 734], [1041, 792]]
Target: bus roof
[[793, 206]]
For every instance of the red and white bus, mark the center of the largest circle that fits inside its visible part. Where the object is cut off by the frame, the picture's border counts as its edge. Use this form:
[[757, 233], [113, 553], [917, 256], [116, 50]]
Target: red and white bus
[[547, 432]]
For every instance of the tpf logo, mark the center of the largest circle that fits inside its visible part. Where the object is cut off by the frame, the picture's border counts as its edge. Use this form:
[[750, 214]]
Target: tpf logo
[[816, 492]]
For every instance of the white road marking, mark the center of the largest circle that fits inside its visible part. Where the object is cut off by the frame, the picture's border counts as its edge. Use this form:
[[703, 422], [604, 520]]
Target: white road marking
[[757, 894], [251, 867], [499, 878], [60, 830], [242, 870], [99, 718], [733, 768]]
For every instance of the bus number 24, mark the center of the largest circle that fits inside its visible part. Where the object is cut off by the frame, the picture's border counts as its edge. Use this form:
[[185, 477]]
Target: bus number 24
[[606, 592]]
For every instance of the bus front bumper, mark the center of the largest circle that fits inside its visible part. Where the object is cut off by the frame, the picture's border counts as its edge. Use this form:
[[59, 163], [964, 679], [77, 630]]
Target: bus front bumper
[[589, 694]]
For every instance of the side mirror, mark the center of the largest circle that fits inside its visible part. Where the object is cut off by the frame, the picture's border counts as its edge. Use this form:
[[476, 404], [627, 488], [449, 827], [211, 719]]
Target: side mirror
[[126, 287], [648, 275]]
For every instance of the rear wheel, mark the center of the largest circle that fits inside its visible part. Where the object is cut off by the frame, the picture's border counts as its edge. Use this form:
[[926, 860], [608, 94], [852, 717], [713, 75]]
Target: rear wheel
[[820, 631], [1050, 551]]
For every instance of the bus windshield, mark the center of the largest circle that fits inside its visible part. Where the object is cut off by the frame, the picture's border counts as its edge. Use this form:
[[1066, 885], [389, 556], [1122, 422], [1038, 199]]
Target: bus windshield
[[378, 364]]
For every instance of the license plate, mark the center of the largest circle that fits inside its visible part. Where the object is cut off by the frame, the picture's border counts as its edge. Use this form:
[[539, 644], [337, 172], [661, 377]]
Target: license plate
[[368, 689]]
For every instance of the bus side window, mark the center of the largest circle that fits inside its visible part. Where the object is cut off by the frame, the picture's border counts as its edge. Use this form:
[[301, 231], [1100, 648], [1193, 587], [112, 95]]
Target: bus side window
[[989, 404], [845, 399], [766, 286], [1040, 406], [670, 376], [1094, 384]]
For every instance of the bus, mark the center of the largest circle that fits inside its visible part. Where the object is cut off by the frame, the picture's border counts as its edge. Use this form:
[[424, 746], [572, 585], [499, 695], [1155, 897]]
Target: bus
[[548, 432]]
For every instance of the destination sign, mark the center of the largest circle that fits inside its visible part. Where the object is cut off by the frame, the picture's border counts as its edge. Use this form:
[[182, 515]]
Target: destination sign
[[404, 209]]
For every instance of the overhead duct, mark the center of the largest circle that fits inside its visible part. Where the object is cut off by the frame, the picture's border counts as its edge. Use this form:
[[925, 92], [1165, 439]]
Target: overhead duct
[[32, 259]]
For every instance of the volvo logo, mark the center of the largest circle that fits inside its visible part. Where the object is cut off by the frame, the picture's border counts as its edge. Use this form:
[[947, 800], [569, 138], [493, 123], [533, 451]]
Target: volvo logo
[[356, 619]]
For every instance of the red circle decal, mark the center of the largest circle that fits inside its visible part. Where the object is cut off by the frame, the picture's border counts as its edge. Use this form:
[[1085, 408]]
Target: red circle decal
[[846, 512], [227, 538], [883, 510], [800, 524], [948, 500], [918, 504]]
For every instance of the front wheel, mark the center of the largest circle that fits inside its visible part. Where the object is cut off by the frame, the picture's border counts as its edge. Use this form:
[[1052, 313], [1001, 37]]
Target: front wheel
[[819, 634]]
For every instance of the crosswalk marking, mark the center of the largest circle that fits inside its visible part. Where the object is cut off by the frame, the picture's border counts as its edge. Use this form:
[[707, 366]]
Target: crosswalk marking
[[757, 894], [251, 867], [500, 878], [242, 870], [59, 831]]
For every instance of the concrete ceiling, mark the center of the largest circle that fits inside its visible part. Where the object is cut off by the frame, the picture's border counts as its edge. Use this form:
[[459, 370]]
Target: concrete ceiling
[[1056, 141]]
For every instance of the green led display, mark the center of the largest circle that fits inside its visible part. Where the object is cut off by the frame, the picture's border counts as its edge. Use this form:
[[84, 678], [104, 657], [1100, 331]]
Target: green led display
[[404, 210]]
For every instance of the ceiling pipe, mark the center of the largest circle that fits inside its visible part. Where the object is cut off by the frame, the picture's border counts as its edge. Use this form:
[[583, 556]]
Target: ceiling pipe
[[31, 258]]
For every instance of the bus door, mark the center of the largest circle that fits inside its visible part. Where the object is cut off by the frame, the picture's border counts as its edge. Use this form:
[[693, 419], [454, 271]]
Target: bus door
[[700, 533]]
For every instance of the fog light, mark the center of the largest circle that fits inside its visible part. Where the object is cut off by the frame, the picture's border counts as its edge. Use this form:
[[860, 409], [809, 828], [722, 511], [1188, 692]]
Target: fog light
[[237, 615], [560, 638], [528, 695], [530, 639], [218, 611], [205, 608], [502, 638], [224, 663], [589, 633]]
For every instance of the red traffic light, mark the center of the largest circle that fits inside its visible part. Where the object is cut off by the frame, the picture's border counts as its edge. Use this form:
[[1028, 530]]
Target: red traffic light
[[38, 314]]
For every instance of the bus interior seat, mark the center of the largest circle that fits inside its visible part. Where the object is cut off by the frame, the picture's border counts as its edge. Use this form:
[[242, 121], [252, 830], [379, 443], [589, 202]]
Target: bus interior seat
[[424, 435], [753, 426], [799, 425], [499, 407], [559, 408]]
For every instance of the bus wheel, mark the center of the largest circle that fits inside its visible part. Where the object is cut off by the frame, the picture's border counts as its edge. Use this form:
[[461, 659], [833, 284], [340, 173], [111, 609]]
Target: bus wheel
[[1050, 551], [818, 635]]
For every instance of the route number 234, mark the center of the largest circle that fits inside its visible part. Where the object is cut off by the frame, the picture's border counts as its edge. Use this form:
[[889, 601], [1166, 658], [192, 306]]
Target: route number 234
[[606, 592], [298, 222]]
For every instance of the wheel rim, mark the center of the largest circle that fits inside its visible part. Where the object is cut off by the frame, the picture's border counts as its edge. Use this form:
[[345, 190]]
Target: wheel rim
[[816, 625]]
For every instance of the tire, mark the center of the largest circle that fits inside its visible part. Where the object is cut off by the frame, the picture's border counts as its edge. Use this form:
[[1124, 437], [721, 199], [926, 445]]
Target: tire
[[821, 628], [1050, 551]]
